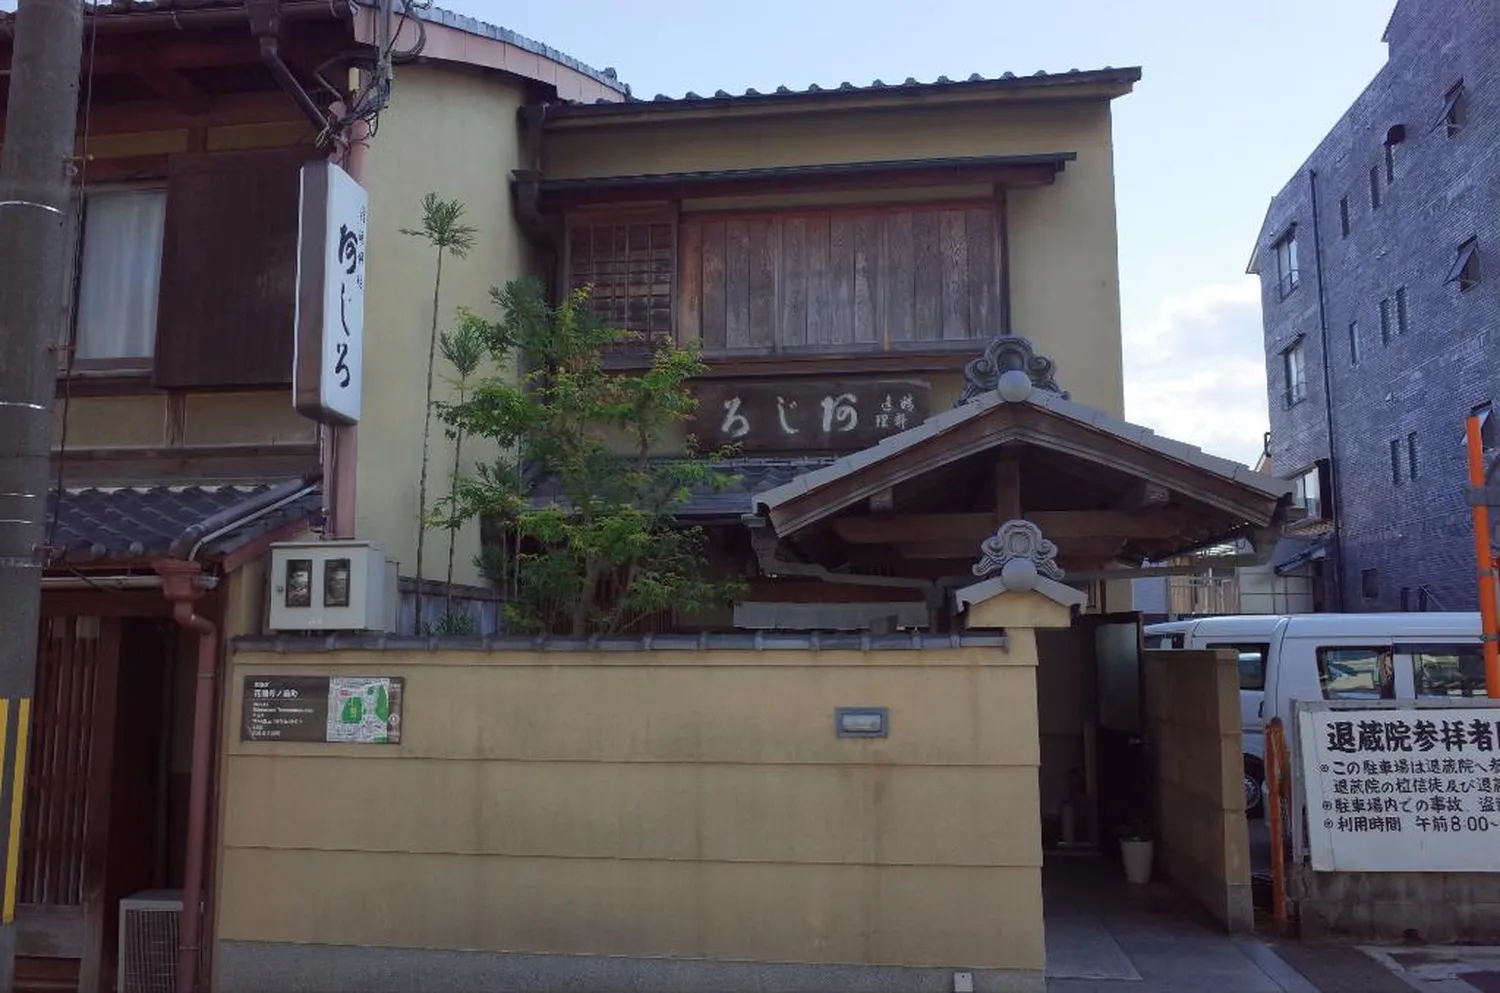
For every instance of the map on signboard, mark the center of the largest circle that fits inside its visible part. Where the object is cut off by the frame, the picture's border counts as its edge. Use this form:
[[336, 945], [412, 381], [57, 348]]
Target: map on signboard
[[1410, 789], [364, 710]]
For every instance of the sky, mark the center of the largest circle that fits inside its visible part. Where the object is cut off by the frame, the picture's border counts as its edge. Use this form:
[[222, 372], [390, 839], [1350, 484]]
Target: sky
[[1234, 96]]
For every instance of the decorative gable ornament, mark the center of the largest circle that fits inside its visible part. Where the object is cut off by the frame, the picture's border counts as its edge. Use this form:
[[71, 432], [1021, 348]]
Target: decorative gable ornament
[[1019, 560], [1008, 354]]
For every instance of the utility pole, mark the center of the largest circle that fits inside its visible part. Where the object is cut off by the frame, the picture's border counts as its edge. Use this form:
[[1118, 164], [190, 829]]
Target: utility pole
[[35, 179]]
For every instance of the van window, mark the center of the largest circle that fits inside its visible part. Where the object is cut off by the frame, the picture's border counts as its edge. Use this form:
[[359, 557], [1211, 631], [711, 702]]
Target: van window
[[1164, 641], [1357, 673], [1448, 670], [1252, 663]]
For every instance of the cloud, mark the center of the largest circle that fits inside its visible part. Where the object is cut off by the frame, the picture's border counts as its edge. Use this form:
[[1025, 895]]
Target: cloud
[[1196, 371]]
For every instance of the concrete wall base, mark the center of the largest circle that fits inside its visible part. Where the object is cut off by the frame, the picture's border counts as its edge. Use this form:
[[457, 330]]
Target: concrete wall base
[[1429, 907], [254, 967]]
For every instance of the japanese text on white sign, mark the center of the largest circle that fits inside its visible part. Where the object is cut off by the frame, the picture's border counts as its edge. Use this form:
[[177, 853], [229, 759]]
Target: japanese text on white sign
[[1408, 790]]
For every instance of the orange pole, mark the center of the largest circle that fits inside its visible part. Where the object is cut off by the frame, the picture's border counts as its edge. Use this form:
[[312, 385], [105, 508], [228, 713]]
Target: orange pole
[[1276, 757], [1485, 556]]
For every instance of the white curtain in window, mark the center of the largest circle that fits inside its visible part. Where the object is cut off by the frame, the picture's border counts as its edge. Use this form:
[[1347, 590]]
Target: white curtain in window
[[122, 240]]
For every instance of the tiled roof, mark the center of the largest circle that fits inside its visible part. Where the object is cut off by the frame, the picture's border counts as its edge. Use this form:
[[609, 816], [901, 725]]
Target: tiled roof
[[1242, 475], [751, 475], [760, 641], [1124, 77], [483, 29], [432, 15], [136, 523]]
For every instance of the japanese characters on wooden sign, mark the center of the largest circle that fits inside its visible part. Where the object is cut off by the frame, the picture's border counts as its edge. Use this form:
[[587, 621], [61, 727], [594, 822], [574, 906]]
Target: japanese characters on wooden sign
[[807, 416], [1402, 789], [330, 318]]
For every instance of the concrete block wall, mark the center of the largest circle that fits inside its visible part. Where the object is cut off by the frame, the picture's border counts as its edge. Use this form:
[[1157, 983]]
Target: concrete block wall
[[1415, 532], [1425, 907], [642, 818], [1202, 840]]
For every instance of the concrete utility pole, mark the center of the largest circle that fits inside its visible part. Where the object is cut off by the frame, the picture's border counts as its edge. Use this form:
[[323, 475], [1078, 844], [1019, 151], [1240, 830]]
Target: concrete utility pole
[[35, 179]]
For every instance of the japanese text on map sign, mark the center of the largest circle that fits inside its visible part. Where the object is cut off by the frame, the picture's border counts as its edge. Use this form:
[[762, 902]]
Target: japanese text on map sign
[[807, 415], [1402, 790], [355, 709]]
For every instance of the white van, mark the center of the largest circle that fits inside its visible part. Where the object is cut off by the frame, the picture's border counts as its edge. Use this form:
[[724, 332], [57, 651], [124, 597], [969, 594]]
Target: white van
[[1332, 657]]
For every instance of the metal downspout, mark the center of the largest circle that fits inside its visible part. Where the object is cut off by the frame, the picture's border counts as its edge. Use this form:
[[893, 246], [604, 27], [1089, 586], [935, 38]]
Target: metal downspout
[[265, 24], [1333, 462], [180, 585]]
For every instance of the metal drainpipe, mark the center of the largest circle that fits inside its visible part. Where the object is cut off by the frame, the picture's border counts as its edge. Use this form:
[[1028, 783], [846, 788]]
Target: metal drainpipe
[[1333, 462], [180, 585], [265, 24]]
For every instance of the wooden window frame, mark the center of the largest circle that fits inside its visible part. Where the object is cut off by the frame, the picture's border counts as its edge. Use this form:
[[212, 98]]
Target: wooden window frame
[[635, 352], [137, 369]]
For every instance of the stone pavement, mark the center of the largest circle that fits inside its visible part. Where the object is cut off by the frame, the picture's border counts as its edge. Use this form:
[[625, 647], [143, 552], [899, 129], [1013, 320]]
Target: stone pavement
[[1104, 936], [1443, 970]]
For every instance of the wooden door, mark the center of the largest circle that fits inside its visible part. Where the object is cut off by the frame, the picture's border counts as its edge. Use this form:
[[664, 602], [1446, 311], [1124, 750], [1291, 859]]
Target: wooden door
[[60, 901]]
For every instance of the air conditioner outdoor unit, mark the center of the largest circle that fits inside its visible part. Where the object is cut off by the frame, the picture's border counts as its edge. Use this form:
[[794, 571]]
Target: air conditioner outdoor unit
[[332, 586], [148, 942]]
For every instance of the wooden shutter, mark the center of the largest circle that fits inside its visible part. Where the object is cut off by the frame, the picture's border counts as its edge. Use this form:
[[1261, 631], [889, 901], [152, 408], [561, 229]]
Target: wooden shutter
[[630, 262], [225, 317], [890, 277]]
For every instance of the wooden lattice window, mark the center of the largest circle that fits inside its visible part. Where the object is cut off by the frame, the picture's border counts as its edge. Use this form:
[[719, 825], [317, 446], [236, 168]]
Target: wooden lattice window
[[629, 261]]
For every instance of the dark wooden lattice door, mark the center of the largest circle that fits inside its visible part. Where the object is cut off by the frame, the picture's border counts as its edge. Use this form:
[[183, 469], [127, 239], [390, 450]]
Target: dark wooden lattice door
[[60, 896]]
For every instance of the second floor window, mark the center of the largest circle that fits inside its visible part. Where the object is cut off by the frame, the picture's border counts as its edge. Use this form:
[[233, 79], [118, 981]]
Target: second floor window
[[1343, 217], [1286, 264], [630, 262], [1374, 187], [1308, 493], [1385, 321], [120, 273], [1294, 366], [1400, 310], [1354, 343]]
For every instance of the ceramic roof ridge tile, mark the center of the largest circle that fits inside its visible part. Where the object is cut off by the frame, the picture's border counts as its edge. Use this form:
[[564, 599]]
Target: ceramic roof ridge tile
[[847, 87], [484, 29]]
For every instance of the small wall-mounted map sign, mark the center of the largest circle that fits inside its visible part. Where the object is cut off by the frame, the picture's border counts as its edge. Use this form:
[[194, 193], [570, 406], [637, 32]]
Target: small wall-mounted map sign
[[364, 710], [814, 415]]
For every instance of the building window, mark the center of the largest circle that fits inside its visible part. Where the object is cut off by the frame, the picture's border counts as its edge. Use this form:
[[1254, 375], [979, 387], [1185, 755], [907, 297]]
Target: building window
[[1307, 492], [1369, 583], [1385, 321], [1395, 462], [1400, 310], [1465, 269], [1294, 365], [1286, 264], [1489, 429], [119, 277], [1411, 455], [1343, 217], [629, 263], [1390, 164], [1455, 109], [1374, 187], [1354, 343]]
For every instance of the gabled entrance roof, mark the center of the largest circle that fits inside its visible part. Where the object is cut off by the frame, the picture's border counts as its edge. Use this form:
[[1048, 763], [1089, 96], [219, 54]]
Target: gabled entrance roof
[[1105, 490]]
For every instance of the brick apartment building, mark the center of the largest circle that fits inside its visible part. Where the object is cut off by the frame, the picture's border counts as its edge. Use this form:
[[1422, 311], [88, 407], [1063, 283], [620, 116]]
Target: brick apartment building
[[1380, 274]]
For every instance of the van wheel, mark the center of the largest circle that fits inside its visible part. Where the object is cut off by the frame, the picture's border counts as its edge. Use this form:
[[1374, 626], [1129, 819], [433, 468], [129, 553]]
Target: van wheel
[[1255, 775]]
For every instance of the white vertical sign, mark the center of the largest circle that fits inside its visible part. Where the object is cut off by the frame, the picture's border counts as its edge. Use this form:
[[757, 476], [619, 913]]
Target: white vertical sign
[[330, 319]]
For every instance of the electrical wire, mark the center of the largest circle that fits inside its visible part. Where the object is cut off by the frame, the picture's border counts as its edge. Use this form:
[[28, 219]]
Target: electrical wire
[[76, 252]]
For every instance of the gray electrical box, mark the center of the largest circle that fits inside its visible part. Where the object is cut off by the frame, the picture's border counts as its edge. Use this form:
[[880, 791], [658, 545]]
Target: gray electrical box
[[332, 586]]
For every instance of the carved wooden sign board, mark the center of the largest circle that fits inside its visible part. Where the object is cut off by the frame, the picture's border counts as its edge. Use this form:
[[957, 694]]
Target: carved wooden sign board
[[780, 416]]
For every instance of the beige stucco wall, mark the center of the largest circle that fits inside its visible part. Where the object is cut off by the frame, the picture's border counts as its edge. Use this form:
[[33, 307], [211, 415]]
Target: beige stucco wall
[[1064, 271], [1203, 842], [681, 804], [451, 131]]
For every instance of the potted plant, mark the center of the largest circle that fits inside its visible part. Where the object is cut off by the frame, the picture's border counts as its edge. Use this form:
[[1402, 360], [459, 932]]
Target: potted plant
[[1136, 851]]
